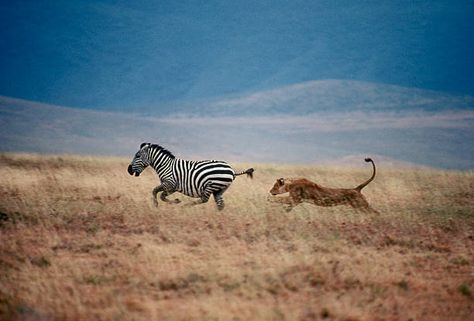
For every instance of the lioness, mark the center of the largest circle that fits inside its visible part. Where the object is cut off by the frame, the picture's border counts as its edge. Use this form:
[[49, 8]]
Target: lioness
[[302, 190]]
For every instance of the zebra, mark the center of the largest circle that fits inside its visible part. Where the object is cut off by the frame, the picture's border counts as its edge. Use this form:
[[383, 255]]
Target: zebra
[[198, 179]]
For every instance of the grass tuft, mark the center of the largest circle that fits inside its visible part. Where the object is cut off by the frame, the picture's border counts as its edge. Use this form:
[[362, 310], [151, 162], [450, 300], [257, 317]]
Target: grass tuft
[[465, 290]]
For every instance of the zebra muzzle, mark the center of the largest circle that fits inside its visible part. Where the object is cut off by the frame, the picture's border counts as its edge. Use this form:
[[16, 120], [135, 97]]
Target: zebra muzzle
[[130, 170]]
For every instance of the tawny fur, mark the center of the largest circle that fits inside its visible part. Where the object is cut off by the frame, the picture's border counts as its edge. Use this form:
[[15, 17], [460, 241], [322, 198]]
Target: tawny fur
[[302, 190]]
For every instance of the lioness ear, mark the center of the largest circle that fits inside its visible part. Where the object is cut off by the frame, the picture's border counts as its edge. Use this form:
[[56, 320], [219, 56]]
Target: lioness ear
[[281, 181], [144, 144]]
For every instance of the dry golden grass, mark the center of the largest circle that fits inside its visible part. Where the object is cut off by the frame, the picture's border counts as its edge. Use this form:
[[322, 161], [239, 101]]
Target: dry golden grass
[[80, 240]]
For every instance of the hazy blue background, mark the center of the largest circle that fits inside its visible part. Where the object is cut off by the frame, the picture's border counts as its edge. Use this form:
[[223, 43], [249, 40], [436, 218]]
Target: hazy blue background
[[124, 55], [252, 81]]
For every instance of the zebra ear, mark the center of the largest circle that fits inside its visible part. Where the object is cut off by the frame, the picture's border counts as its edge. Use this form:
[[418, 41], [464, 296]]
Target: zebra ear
[[144, 144]]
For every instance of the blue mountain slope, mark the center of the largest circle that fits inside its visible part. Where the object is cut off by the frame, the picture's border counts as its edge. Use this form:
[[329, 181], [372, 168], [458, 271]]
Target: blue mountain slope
[[325, 96], [270, 126]]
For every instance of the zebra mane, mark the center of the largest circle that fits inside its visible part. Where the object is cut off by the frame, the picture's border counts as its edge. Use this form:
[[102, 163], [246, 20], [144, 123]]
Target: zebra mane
[[163, 150]]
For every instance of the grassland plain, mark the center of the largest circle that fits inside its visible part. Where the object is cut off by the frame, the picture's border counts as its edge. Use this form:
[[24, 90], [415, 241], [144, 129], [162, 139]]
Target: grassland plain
[[80, 240]]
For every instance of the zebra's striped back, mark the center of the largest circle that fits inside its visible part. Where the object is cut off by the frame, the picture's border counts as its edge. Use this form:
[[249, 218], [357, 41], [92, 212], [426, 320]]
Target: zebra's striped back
[[193, 177]]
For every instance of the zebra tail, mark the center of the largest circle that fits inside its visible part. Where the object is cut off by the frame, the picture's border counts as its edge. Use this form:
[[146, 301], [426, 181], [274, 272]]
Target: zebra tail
[[249, 173]]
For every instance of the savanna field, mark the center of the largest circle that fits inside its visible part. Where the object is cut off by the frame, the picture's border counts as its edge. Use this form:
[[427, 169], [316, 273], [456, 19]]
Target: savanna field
[[81, 240]]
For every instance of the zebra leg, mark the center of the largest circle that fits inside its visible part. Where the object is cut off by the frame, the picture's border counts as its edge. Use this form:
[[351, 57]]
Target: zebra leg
[[205, 194], [219, 199], [156, 190], [167, 193], [204, 197]]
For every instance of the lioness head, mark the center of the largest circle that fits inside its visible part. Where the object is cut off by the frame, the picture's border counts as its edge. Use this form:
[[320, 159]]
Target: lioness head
[[279, 187]]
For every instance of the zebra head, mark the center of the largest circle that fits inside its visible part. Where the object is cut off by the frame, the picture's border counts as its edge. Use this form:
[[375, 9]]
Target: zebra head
[[140, 160]]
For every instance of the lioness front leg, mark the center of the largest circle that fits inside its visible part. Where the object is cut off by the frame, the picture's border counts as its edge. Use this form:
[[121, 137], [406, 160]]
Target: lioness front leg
[[287, 200]]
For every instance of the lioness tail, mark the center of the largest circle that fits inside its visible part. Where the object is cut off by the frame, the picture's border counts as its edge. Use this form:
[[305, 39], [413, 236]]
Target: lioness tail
[[361, 186]]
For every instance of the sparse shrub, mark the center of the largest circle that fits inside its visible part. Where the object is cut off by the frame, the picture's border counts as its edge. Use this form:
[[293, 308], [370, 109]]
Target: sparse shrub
[[460, 260], [403, 285], [229, 286], [96, 279], [40, 261], [325, 313], [92, 228], [3, 217], [465, 290], [315, 280]]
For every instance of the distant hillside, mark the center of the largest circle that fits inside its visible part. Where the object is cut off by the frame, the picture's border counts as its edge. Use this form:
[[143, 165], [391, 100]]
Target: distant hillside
[[327, 96], [257, 127]]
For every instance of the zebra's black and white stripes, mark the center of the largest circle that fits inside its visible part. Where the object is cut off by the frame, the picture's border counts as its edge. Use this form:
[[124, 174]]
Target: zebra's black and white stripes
[[192, 178]]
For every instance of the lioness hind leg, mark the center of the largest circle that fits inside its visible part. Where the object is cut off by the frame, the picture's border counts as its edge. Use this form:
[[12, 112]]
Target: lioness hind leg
[[370, 209], [360, 203]]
